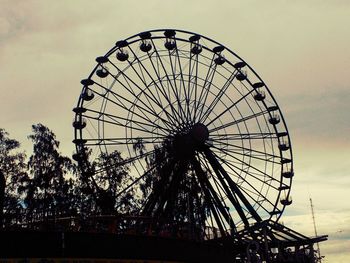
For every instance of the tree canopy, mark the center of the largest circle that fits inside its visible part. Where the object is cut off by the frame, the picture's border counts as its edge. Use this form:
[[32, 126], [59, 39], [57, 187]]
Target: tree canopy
[[13, 177], [48, 185]]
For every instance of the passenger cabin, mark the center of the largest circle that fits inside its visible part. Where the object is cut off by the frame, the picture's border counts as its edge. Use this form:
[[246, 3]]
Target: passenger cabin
[[79, 122], [259, 95], [122, 55], [88, 94], [239, 65], [286, 201], [77, 156], [274, 119], [288, 174], [242, 75], [219, 60], [102, 71], [284, 187], [286, 160], [196, 49], [145, 45], [284, 146], [170, 44]]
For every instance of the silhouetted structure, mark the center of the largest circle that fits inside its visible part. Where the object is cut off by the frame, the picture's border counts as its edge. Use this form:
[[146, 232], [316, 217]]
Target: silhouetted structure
[[181, 145]]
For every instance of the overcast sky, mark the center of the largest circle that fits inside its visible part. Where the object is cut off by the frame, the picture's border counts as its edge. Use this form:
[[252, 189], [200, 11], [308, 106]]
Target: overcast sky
[[300, 48]]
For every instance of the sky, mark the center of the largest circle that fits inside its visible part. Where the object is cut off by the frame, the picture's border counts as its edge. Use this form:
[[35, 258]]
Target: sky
[[301, 49]]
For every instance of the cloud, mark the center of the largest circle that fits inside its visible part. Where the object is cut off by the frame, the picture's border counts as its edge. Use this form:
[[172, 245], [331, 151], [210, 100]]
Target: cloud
[[336, 251], [324, 115], [335, 225], [300, 49]]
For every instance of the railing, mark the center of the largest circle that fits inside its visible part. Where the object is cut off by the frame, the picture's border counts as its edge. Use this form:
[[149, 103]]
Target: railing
[[115, 224]]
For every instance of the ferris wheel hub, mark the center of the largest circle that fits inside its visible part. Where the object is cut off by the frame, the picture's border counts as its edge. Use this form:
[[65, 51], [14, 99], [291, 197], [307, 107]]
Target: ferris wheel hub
[[192, 139], [199, 133]]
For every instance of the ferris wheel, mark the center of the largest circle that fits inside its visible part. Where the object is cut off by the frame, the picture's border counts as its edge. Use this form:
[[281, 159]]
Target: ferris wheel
[[199, 134]]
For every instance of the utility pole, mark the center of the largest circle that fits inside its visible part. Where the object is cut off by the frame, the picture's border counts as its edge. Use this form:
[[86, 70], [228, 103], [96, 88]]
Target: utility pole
[[319, 258]]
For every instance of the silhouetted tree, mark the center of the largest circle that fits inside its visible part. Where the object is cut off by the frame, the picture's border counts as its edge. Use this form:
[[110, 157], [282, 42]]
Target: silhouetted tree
[[172, 188], [49, 190], [113, 176], [13, 177]]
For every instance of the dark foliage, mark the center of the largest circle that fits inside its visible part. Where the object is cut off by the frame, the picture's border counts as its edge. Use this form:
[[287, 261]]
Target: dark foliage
[[13, 178], [172, 190], [49, 192], [51, 187]]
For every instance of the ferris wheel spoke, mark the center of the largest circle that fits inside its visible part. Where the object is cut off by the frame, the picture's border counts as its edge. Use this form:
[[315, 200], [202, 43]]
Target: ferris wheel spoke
[[233, 153], [113, 122], [123, 141], [199, 100], [206, 86], [205, 164], [249, 193], [161, 89], [181, 111], [194, 75], [116, 119], [164, 92], [247, 118], [182, 83], [140, 74], [170, 194], [175, 88], [142, 109], [156, 94], [255, 195], [216, 100], [189, 89], [192, 87], [148, 97], [255, 191], [125, 162], [244, 136], [158, 194], [258, 198], [138, 179], [215, 163], [217, 184], [212, 199], [194, 114], [230, 107], [244, 149], [235, 202], [147, 107], [117, 123], [128, 87], [234, 168], [230, 194], [258, 171], [143, 139]]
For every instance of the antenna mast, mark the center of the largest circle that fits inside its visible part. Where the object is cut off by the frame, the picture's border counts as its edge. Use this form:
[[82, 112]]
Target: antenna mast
[[319, 258]]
